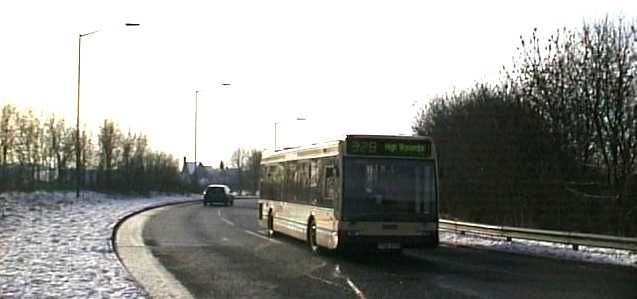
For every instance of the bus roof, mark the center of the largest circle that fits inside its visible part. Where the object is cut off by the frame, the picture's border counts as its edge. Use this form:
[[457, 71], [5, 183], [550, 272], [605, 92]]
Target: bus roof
[[318, 150], [325, 149]]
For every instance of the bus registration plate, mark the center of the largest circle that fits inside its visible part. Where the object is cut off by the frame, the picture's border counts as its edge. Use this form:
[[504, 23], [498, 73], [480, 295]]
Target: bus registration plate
[[388, 245]]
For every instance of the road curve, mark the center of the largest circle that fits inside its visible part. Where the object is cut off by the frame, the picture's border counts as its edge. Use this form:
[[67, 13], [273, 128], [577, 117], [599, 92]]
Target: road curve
[[219, 252], [140, 262]]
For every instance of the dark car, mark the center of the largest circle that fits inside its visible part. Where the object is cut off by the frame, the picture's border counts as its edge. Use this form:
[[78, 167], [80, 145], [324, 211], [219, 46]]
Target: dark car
[[217, 194]]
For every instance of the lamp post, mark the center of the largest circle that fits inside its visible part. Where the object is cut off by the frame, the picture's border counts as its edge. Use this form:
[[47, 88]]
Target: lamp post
[[276, 124], [196, 106], [77, 121]]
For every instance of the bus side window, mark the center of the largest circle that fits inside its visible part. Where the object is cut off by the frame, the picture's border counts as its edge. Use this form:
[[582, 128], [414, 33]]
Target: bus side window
[[329, 191], [314, 175], [314, 182], [329, 172], [303, 173], [263, 181], [291, 189], [279, 179]]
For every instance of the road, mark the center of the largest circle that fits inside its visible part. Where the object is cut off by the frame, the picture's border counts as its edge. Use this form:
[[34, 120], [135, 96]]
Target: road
[[220, 252]]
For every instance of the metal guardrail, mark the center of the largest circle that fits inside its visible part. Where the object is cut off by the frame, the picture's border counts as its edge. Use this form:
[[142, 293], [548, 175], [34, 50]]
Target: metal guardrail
[[571, 238], [245, 197]]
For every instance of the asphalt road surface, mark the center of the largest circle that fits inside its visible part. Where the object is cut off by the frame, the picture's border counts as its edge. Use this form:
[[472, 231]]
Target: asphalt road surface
[[220, 252]]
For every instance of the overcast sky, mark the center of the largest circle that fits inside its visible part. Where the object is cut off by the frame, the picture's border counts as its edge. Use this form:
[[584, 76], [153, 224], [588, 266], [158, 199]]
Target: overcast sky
[[344, 66]]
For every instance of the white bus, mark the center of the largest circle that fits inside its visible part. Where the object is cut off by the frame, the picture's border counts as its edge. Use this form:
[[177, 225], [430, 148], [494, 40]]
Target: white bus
[[363, 192]]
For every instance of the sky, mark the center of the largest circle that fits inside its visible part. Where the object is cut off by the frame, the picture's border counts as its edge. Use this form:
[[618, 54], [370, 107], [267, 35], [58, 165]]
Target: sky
[[346, 67]]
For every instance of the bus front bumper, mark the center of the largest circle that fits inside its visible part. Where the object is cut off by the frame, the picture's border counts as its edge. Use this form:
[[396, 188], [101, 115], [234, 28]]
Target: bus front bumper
[[346, 240]]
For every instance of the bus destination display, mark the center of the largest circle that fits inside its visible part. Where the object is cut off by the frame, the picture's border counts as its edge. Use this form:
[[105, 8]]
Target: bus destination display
[[388, 147]]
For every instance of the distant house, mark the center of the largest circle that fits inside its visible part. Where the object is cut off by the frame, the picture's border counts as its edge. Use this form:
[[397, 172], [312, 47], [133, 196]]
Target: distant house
[[205, 175]]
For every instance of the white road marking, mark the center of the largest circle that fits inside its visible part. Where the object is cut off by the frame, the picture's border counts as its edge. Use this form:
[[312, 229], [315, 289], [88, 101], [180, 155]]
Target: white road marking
[[351, 284], [224, 219], [262, 237], [227, 221], [310, 275]]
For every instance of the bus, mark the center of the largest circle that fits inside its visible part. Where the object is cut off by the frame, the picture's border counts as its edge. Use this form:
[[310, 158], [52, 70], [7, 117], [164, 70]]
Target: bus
[[372, 192]]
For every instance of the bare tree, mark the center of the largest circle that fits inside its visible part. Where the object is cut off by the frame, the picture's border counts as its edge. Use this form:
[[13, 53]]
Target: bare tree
[[583, 85], [139, 167], [253, 170], [88, 156], [27, 145], [238, 161], [8, 131], [66, 155], [52, 143], [127, 146], [29, 150], [491, 151], [109, 140]]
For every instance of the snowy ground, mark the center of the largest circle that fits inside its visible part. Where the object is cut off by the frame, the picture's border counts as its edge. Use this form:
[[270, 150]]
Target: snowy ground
[[540, 248], [53, 245]]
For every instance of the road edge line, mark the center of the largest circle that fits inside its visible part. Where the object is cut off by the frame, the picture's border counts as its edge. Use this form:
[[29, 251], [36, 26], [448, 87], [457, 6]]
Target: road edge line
[[169, 286]]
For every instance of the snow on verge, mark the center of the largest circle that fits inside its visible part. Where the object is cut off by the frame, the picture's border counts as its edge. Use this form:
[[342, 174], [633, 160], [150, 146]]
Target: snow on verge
[[541, 248], [53, 245]]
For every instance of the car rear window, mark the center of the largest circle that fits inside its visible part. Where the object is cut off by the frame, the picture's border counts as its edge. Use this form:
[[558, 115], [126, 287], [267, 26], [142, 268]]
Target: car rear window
[[215, 190]]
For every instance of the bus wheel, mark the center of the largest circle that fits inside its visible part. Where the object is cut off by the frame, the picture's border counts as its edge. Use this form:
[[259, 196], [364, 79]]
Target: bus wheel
[[270, 225], [311, 236]]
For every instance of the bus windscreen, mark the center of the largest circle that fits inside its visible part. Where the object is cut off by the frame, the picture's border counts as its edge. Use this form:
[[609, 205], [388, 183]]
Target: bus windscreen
[[388, 189]]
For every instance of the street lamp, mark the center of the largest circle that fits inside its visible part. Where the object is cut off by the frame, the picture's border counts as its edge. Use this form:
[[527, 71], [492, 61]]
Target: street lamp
[[77, 122], [276, 124], [196, 105]]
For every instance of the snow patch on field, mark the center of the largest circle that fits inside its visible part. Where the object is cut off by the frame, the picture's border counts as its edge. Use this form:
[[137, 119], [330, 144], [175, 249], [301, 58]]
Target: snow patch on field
[[541, 248], [56, 246]]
